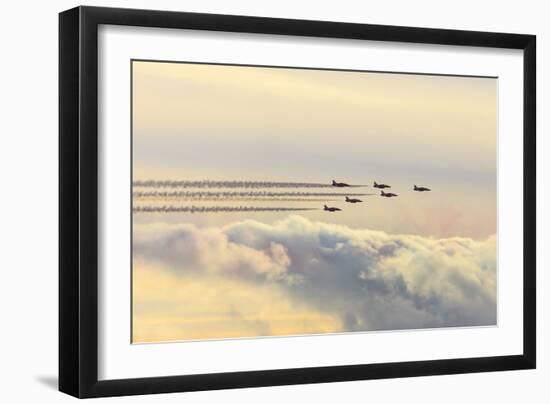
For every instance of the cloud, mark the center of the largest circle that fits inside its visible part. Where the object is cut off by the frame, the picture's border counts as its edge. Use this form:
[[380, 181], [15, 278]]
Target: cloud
[[368, 280]]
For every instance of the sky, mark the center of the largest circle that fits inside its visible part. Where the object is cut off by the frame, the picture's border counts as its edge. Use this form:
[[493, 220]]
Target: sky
[[419, 260]]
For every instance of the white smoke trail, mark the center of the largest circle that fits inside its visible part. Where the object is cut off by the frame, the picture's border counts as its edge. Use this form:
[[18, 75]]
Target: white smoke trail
[[243, 195], [244, 199], [213, 209], [228, 184]]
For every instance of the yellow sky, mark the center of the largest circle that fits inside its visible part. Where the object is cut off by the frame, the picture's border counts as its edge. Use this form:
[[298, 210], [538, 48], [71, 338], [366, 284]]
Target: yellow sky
[[170, 307], [197, 121], [171, 97]]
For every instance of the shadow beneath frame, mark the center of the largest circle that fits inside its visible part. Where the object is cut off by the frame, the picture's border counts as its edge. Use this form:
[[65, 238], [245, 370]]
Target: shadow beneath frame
[[48, 381]]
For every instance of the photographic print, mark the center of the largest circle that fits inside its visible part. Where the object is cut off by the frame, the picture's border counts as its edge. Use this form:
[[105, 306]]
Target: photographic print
[[277, 201]]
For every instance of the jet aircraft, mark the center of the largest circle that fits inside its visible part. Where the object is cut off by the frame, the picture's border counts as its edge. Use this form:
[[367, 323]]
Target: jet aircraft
[[421, 189], [353, 200], [387, 194], [381, 186], [340, 184]]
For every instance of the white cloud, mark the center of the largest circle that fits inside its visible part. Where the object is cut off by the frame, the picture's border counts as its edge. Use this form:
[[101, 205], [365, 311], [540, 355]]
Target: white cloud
[[369, 280]]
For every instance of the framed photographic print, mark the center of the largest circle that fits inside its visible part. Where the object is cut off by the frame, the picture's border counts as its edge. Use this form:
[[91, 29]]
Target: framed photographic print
[[250, 201]]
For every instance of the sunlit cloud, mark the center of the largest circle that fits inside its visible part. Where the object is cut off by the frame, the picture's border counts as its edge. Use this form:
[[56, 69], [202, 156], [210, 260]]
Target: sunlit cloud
[[346, 279]]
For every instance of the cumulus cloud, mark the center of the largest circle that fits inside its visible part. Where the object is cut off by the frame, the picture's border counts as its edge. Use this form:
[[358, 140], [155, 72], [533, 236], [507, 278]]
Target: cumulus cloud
[[368, 280], [188, 249]]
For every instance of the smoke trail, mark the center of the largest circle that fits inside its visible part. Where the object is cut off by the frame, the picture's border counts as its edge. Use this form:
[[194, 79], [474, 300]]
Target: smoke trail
[[244, 198], [228, 184], [213, 209], [243, 195]]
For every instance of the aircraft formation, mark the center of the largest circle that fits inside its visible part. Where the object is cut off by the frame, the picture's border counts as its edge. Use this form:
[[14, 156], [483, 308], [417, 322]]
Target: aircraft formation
[[375, 185]]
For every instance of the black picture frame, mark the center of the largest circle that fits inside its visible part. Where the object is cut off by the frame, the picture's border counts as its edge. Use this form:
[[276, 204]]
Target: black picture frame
[[78, 201]]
